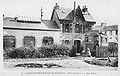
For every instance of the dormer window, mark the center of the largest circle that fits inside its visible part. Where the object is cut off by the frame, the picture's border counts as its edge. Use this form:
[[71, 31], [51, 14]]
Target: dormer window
[[63, 11]]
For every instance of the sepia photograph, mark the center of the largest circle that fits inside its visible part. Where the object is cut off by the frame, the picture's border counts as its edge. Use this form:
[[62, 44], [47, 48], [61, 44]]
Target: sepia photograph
[[60, 37]]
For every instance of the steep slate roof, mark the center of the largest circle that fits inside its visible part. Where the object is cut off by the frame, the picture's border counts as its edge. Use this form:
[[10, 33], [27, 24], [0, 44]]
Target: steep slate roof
[[96, 27], [110, 28], [88, 17], [12, 23], [67, 13], [50, 24], [63, 12]]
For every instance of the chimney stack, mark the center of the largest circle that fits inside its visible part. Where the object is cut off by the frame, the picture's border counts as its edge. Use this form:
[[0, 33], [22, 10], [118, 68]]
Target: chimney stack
[[84, 9]]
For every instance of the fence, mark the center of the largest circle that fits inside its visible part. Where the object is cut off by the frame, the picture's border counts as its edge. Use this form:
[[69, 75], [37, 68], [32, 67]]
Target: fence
[[103, 52]]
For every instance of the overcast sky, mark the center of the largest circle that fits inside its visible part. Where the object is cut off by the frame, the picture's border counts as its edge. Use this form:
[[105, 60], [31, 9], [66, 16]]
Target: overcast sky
[[101, 10]]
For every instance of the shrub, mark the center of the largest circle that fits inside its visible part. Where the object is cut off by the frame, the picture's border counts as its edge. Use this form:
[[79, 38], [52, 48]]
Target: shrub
[[37, 54], [72, 52], [8, 53], [22, 52], [112, 47], [40, 52], [25, 52], [54, 50], [113, 63]]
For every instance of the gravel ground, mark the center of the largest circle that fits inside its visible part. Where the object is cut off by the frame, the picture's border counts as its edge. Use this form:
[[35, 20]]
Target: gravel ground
[[75, 63]]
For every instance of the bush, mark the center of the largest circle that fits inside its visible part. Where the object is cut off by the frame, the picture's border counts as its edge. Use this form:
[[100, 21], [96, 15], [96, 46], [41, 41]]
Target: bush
[[54, 50], [40, 52], [72, 52], [113, 63], [112, 47], [8, 53], [22, 52]]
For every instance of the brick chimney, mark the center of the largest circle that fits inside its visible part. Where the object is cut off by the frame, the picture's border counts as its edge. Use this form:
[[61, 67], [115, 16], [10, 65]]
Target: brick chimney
[[85, 9]]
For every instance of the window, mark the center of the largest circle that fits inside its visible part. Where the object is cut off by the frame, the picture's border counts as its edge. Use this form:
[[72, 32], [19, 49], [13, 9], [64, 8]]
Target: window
[[77, 28], [67, 42], [29, 41], [9, 41], [116, 32], [80, 28], [105, 32], [47, 40], [86, 29], [106, 40], [102, 40], [86, 39], [70, 26], [63, 42], [66, 28]]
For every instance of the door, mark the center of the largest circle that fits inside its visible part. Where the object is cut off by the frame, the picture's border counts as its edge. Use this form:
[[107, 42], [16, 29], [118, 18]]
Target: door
[[77, 43]]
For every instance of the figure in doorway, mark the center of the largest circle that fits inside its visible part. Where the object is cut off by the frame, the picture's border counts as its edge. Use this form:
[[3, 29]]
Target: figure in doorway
[[89, 52]]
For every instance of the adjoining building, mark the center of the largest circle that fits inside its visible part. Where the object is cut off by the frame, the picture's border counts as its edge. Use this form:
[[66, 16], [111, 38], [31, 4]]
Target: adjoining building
[[25, 31], [101, 36], [106, 33], [112, 34]]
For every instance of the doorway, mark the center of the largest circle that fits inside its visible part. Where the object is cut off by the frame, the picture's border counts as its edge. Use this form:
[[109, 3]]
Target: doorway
[[77, 43]]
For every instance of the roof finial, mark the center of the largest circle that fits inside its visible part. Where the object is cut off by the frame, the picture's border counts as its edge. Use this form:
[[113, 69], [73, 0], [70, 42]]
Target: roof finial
[[56, 6], [84, 9]]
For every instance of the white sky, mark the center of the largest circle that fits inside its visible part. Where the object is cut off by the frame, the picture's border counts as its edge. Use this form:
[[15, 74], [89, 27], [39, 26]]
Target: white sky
[[101, 10]]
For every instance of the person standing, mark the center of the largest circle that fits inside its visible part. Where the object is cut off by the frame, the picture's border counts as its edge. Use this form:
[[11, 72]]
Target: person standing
[[89, 52]]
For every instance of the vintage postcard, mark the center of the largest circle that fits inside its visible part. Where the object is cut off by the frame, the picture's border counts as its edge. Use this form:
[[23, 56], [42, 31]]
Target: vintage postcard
[[60, 37]]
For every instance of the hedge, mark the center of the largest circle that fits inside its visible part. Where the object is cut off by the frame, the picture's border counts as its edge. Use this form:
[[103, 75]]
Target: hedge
[[39, 52]]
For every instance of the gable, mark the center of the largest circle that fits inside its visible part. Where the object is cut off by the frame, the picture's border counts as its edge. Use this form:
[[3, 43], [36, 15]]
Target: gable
[[67, 14], [55, 18], [62, 12], [50, 24]]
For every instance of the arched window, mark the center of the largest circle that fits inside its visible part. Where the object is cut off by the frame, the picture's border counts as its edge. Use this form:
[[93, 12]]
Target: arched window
[[9, 41], [29, 41], [47, 40]]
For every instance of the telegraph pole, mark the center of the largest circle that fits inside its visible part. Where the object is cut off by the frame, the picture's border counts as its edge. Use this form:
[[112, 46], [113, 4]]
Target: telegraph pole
[[41, 13], [73, 24]]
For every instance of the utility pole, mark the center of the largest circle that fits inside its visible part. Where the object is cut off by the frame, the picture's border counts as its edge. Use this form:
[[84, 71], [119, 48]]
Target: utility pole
[[41, 13], [73, 24]]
